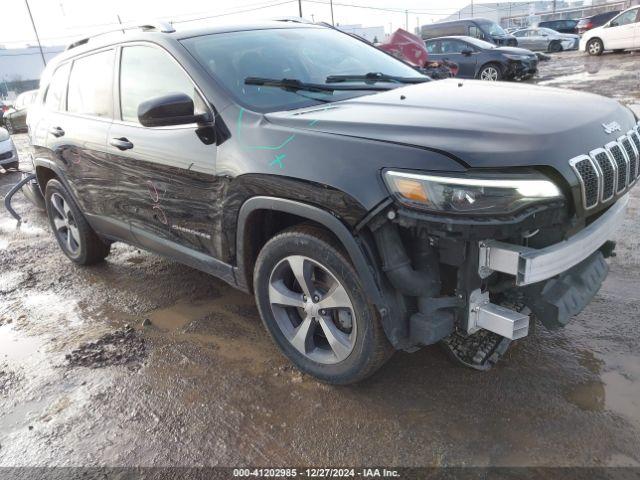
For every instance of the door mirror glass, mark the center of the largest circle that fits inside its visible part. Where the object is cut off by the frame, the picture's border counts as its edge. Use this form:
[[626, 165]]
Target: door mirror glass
[[467, 52], [171, 109]]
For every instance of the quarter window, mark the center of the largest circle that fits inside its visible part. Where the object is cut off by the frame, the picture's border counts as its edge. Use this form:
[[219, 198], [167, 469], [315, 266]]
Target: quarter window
[[90, 85], [148, 72], [54, 99]]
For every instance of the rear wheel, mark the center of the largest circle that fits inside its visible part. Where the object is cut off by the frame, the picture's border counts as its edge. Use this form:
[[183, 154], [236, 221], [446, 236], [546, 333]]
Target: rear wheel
[[490, 73], [75, 236], [595, 47], [9, 126], [312, 303], [555, 47]]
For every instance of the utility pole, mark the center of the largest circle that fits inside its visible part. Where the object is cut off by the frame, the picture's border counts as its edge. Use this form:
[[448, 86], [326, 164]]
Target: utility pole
[[554, 6], [471, 8], [120, 21], [510, 19], [406, 20], [331, 5], [300, 7], [36, 32]]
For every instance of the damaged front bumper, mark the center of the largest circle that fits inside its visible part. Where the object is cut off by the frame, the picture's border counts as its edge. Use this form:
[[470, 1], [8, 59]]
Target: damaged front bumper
[[556, 282]]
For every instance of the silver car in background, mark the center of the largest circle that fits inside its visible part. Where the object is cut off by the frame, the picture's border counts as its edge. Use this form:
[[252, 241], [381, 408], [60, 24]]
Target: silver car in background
[[546, 40], [8, 152]]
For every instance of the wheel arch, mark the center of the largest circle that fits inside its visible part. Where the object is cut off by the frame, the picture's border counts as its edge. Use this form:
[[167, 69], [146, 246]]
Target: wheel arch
[[247, 248], [494, 62]]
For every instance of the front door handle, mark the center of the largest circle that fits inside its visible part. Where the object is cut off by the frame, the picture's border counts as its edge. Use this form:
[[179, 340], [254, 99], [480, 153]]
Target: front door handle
[[56, 132], [121, 143]]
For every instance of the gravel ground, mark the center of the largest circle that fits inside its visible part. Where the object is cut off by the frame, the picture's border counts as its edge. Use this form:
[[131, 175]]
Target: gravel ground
[[142, 361]]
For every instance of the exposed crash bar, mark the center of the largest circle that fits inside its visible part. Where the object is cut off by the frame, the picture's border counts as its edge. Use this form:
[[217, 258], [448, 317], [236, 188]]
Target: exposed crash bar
[[531, 265]]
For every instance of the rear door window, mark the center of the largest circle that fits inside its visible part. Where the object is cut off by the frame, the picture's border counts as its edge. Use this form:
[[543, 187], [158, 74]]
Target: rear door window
[[90, 85], [55, 96]]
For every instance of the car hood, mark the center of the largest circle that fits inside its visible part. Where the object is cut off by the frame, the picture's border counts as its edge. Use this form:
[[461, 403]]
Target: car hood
[[479, 124], [514, 51]]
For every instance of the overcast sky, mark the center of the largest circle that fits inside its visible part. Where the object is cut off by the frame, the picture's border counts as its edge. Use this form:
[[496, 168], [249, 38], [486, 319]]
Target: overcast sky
[[60, 20]]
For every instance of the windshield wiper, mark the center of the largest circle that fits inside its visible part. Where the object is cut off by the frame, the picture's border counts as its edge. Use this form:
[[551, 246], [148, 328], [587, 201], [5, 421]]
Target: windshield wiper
[[373, 77], [294, 85]]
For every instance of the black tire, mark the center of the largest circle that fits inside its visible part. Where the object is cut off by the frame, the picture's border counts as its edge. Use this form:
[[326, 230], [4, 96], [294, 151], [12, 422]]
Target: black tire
[[595, 47], [89, 248], [8, 126], [555, 47], [490, 72], [370, 348], [11, 166]]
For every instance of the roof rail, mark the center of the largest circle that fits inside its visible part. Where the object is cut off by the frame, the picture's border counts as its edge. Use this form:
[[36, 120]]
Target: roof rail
[[292, 20], [155, 26]]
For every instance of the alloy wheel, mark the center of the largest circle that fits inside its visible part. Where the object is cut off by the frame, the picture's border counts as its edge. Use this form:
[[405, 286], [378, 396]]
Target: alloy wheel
[[490, 74], [312, 309], [65, 224], [594, 48]]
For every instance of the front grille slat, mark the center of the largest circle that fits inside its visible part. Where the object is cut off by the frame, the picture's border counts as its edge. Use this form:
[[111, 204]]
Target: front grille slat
[[621, 163], [608, 172], [589, 178]]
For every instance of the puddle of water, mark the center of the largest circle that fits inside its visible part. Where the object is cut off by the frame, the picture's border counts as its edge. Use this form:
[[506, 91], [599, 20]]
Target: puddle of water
[[16, 347], [54, 307], [618, 389], [604, 74], [180, 314]]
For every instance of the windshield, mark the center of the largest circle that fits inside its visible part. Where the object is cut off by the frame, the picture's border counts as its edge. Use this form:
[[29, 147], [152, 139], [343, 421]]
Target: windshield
[[309, 55], [479, 43], [493, 29]]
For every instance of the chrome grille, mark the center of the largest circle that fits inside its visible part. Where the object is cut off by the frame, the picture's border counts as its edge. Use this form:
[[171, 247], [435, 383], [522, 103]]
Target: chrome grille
[[608, 172]]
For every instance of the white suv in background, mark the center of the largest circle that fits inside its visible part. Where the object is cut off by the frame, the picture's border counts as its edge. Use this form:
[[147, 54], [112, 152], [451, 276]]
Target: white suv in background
[[620, 33]]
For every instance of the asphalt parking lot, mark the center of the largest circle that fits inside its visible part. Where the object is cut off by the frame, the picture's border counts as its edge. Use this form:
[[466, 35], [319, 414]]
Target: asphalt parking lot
[[201, 383]]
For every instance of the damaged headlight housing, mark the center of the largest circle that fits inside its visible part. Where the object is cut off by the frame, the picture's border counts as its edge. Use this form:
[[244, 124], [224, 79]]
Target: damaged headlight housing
[[469, 195]]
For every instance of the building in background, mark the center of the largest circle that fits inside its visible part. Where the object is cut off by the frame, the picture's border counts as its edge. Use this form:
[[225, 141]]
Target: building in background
[[524, 13], [373, 34], [20, 68]]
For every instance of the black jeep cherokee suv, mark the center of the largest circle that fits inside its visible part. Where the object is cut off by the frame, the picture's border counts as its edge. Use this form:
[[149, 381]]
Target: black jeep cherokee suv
[[366, 207]]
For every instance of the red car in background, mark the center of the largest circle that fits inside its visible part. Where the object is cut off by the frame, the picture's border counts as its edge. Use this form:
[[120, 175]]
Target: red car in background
[[411, 49]]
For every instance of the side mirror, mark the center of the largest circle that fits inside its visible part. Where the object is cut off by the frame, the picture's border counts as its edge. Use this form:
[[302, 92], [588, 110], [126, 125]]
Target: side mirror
[[171, 109], [466, 52]]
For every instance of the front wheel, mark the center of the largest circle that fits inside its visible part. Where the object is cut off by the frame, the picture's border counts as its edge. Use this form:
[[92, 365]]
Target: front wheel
[[8, 126], [595, 47], [490, 73], [312, 303], [75, 236]]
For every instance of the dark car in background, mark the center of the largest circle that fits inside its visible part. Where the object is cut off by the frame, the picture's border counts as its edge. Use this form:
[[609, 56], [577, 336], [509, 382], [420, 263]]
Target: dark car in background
[[562, 26], [15, 118], [483, 60], [480, 28], [587, 23]]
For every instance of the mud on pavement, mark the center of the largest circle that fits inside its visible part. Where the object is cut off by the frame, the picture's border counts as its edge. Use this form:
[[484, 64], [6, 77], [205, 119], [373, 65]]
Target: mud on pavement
[[199, 382]]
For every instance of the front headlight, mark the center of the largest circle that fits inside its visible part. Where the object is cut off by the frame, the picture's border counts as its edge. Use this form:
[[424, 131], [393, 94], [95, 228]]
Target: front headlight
[[516, 57], [468, 195]]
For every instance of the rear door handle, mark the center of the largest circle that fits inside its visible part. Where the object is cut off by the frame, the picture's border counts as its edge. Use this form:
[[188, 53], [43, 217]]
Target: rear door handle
[[121, 143], [56, 132]]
